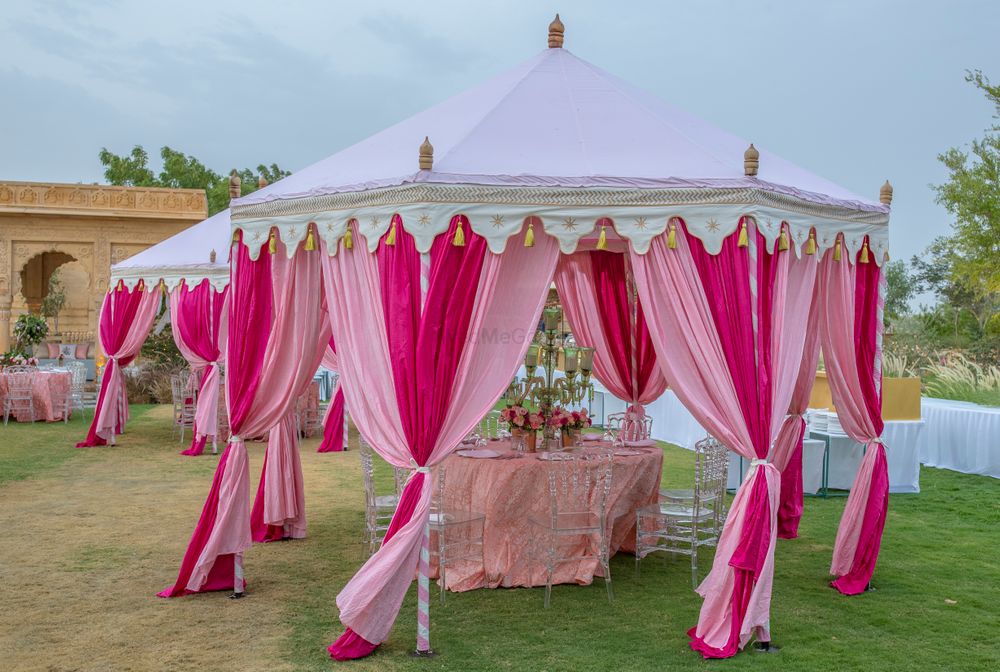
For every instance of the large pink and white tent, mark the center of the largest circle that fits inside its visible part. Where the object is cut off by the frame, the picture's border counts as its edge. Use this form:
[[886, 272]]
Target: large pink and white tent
[[416, 258]]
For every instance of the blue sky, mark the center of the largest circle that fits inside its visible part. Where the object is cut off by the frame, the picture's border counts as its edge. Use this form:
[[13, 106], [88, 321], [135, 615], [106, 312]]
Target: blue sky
[[858, 92]]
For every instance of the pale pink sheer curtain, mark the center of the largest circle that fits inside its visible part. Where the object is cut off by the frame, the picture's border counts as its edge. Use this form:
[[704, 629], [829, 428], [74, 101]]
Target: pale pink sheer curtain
[[691, 354], [290, 359], [850, 320], [578, 295], [206, 420], [510, 296], [300, 333], [793, 428], [112, 413]]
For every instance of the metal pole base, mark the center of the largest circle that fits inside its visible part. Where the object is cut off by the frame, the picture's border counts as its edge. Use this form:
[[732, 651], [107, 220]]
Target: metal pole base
[[417, 653], [237, 596], [765, 647]]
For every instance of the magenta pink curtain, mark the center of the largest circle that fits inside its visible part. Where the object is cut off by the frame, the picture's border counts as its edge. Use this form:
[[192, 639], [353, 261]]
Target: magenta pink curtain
[[333, 421], [593, 289], [424, 360], [793, 430], [221, 531], [850, 328], [199, 315], [126, 318], [729, 332]]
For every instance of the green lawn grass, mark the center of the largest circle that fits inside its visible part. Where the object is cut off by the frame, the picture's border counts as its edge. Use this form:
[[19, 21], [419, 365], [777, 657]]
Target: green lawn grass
[[936, 607]]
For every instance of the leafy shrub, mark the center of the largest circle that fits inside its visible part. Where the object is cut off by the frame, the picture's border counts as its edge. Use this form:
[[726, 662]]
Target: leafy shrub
[[30, 330]]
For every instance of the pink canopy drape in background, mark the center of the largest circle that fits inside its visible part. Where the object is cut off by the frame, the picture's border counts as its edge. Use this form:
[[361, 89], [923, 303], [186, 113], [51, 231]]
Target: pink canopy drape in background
[[792, 432], [729, 331], [126, 317], [275, 324], [200, 315], [333, 421], [418, 379], [605, 314], [850, 328]]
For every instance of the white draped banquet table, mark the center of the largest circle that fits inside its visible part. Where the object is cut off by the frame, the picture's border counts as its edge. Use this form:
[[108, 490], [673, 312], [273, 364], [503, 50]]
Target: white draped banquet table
[[513, 488], [44, 388], [961, 436]]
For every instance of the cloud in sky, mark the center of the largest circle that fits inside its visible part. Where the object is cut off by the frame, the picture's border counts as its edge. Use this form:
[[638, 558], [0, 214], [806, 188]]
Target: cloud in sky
[[855, 91]]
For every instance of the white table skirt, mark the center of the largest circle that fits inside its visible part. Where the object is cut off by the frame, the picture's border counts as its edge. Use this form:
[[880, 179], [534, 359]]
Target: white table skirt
[[961, 436], [671, 421], [902, 449]]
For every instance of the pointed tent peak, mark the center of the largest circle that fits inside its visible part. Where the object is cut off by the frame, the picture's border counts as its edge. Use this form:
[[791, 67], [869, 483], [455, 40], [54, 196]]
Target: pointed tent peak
[[556, 33], [261, 182], [234, 184], [751, 161], [426, 154], [885, 193], [211, 256]]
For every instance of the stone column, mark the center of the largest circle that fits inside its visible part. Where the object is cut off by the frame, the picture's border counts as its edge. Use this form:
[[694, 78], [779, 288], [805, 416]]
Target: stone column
[[5, 301]]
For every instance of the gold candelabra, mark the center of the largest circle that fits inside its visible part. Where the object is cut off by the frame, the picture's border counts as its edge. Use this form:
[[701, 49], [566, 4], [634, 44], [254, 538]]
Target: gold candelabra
[[546, 390]]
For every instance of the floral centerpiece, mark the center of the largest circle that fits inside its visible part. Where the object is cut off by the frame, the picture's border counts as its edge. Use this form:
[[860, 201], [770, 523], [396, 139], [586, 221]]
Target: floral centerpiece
[[16, 358], [524, 424], [569, 423]]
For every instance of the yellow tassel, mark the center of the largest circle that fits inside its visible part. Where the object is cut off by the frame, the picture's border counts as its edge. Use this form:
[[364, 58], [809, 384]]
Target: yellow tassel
[[391, 238], [236, 236], [118, 287], [811, 243], [348, 239], [310, 240], [459, 236], [864, 253], [744, 240], [529, 237], [885, 258], [602, 241], [783, 240], [836, 250], [272, 242], [672, 237]]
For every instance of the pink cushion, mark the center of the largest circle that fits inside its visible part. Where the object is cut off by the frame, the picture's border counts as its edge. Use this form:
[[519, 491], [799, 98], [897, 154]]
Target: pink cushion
[[53, 349], [81, 350]]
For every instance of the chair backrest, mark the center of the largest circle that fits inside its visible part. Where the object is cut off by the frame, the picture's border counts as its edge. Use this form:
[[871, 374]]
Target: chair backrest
[[20, 380], [78, 370], [711, 469], [367, 456], [579, 483], [489, 426]]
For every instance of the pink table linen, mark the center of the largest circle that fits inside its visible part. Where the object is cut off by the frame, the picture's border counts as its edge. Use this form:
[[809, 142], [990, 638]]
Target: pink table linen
[[309, 401], [45, 387], [511, 491]]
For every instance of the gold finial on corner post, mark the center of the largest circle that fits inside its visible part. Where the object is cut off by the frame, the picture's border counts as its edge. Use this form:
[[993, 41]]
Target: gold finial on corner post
[[211, 257], [557, 31], [885, 193], [261, 182], [426, 154], [235, 185], [751, 161]]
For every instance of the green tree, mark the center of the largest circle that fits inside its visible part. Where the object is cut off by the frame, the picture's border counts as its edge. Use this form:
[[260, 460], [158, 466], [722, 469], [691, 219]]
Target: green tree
[[899, 290], [55, 299], [182, 171]]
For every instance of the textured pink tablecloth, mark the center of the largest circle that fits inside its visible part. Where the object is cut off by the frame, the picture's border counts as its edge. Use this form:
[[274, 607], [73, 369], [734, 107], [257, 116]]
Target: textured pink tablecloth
[[309, 401], [44, 388], [510, 491]]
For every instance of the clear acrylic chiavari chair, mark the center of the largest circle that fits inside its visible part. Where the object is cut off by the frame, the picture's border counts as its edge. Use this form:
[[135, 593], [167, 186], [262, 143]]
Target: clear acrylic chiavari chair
[[686, 520], [579, 485], [379, 509], [459, 533]]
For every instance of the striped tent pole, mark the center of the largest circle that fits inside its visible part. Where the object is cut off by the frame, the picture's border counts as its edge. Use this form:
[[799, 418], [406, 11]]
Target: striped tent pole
[[423, 580], [239, 583]]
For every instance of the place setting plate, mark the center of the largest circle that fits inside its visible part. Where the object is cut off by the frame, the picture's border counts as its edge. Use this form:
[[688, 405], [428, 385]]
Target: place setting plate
[[478, 453]]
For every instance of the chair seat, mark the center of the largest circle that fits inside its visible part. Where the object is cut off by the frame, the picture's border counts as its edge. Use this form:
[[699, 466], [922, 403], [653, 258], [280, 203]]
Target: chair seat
[[386, 501], [441, 519], [674, 510], [569, 523]]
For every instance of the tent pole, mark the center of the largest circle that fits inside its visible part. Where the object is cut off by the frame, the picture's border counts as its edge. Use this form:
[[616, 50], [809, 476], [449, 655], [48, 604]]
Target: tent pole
[[239, 583], [424, 597]]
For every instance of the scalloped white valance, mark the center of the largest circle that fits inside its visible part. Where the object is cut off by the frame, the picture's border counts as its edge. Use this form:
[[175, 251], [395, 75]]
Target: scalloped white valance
[[173, 276]]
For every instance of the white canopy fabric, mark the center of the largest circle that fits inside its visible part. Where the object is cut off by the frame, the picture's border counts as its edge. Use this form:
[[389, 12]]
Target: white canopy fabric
[[560, 139], [184, 256]]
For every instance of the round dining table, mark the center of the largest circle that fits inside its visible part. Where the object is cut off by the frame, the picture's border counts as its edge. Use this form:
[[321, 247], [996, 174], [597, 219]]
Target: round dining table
[[46, 386], [513, 487]]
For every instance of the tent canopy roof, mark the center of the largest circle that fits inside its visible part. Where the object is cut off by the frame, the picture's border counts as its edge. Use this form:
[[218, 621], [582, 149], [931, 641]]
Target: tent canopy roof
[[555, 120], [183, 256]]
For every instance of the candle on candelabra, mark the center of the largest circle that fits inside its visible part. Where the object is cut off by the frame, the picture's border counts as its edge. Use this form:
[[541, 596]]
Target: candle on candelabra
[[571, 360], [531, 358], [587, 359], [552, 316]]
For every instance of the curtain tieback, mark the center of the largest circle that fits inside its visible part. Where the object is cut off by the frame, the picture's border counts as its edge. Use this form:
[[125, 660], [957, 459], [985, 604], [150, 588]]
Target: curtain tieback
[[235, 438], [877, 439], [419, 469], [758, 461]]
